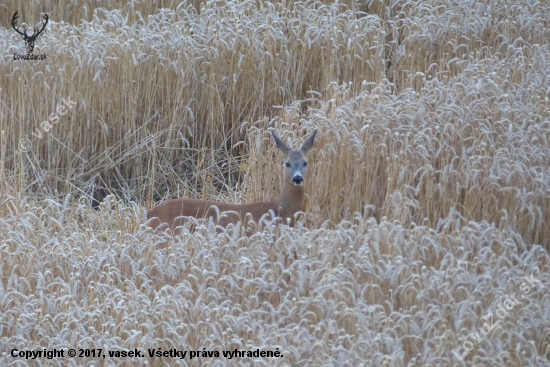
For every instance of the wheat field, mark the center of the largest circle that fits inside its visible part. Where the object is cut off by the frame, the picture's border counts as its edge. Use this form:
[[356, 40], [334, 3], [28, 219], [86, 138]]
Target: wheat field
[[426, 236]]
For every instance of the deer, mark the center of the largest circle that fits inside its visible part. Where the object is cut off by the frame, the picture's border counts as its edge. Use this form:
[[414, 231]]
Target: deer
[[29, 39], [290, 201]]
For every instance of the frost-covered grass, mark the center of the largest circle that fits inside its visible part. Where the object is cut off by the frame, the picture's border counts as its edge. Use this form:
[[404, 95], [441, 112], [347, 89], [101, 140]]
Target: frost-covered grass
[[428, 195]]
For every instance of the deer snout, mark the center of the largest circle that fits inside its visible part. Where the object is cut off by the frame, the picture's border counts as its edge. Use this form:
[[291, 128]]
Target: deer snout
[[297, 180]]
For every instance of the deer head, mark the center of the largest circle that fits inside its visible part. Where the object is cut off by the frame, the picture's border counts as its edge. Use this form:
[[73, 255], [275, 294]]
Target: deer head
[[295, 166], [29, 39]]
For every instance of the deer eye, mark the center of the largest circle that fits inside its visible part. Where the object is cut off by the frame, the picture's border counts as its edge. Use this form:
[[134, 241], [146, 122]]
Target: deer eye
[[305, 164], [287, 164]]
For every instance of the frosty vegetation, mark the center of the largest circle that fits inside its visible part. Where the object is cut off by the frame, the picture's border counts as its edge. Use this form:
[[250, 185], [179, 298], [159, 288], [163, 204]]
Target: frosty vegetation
[[428, 193]]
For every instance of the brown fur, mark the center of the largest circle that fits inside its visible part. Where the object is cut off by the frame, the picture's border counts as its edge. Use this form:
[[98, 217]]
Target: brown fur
[[290, 201]]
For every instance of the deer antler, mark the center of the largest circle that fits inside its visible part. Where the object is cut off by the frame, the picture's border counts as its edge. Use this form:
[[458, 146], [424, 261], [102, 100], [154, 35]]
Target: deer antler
[[43, 27], [14, 21], [34, 34]]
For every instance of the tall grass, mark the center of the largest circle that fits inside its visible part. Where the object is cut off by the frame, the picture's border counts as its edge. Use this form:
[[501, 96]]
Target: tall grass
[[432, 162], [446, 107]]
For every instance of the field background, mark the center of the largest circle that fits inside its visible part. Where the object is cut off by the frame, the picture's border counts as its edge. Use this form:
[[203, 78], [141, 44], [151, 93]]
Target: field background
[[428, 196]]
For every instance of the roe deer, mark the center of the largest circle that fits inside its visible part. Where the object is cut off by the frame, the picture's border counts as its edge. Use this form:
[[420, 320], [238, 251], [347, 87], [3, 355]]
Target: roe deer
[[290, 201]]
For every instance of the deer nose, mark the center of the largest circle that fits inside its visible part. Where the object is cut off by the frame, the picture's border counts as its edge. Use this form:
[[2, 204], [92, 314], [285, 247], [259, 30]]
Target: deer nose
[[298, 180]]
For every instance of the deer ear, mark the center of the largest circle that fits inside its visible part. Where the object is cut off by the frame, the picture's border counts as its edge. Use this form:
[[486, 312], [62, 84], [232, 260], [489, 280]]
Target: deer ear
[[280, 144], [308, 143]]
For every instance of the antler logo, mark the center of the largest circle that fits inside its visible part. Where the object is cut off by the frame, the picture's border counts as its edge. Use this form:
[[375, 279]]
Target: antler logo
[[29, 39]]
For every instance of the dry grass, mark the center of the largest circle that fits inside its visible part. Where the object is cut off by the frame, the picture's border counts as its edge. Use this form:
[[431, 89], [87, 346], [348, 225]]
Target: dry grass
[[429, 190]]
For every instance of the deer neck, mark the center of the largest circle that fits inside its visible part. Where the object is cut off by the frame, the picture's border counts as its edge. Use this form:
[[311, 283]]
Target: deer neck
[[290, 201]]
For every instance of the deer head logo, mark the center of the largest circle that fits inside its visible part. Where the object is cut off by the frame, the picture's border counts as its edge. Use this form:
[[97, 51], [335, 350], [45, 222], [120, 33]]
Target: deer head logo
[[29, 39]]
